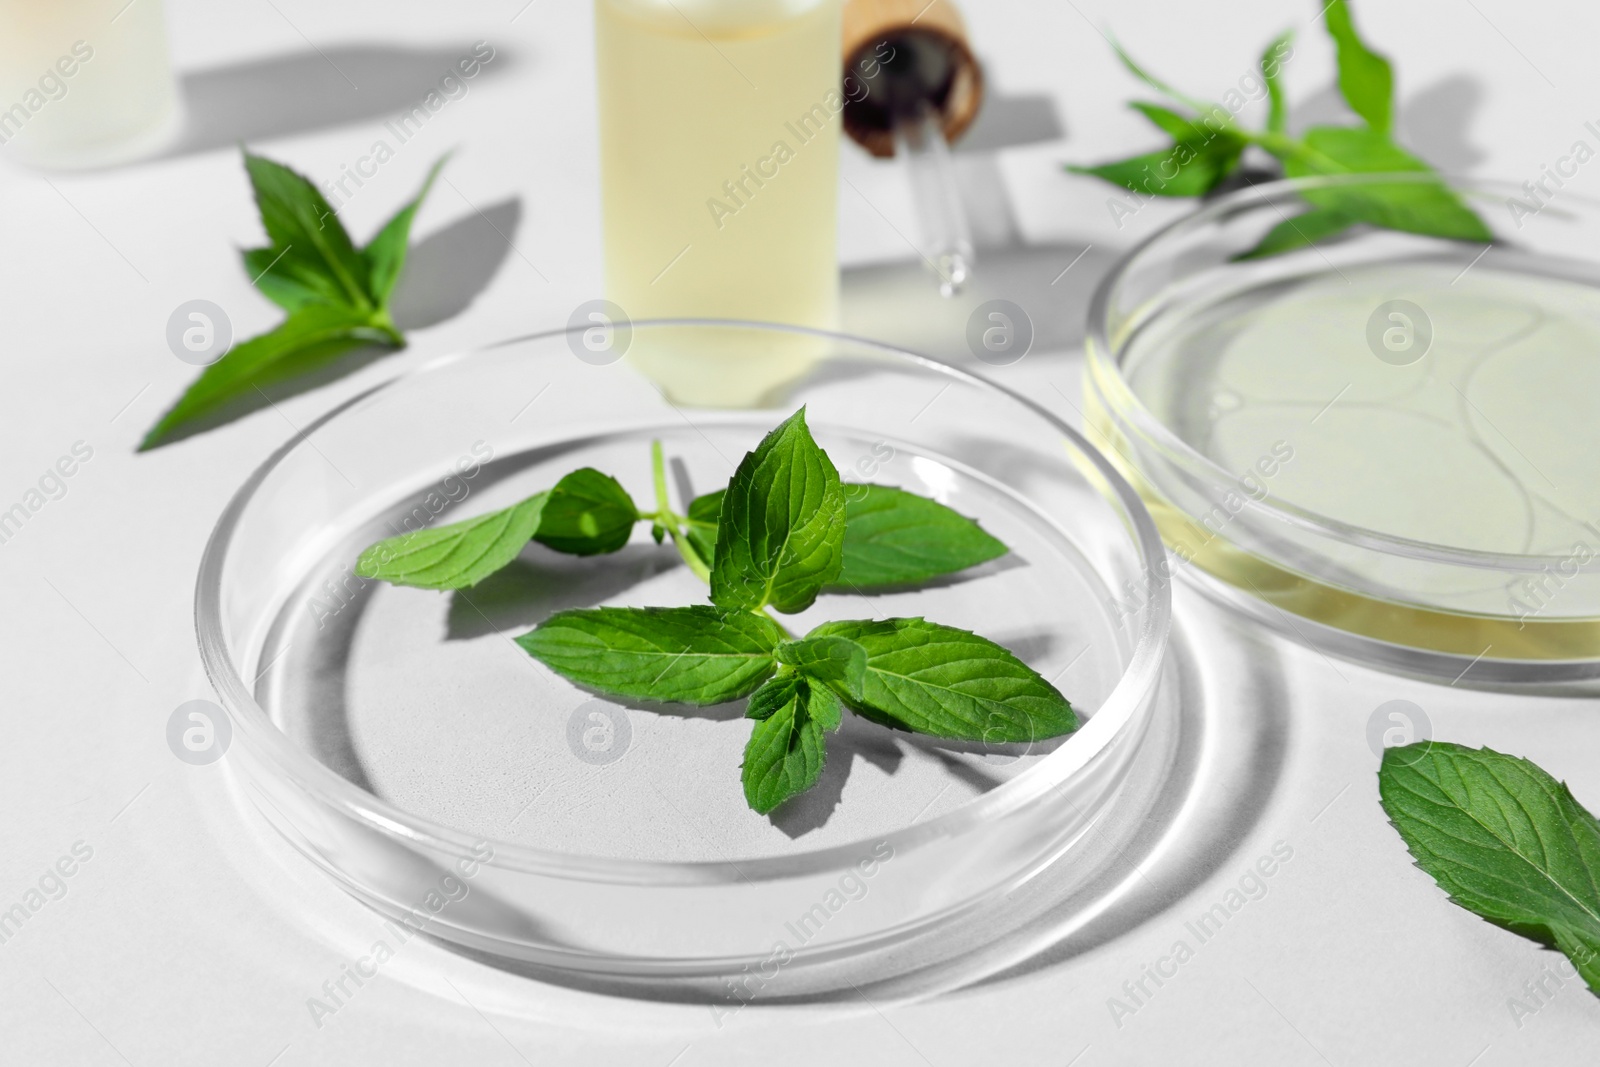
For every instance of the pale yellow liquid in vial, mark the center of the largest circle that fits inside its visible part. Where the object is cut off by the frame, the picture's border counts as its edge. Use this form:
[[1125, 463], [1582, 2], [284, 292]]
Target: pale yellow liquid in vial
[[719, 142], [1487, 443]]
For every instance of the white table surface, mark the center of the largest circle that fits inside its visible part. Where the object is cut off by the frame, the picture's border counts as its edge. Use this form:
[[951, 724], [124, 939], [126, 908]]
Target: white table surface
[[193, 937]]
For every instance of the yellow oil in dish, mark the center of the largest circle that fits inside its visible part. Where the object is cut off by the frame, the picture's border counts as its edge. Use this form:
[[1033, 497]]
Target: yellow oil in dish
[[1455, 409], [719, 142]]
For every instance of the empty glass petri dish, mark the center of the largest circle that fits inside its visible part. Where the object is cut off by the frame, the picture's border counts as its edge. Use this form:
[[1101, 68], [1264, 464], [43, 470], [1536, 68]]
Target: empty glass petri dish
[[1380, 443], [402, 740]]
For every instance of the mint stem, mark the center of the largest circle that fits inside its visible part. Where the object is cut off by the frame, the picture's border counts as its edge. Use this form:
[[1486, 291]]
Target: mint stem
[[669, 519]]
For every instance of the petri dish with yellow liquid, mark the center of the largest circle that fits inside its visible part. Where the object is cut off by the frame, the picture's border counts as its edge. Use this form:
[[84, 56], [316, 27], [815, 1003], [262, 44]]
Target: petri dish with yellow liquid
[[1384, 444]]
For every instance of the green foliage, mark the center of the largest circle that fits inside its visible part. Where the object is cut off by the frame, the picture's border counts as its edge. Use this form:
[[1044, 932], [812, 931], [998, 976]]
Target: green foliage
[[1504, 839], [336, 296], [1208, 146]]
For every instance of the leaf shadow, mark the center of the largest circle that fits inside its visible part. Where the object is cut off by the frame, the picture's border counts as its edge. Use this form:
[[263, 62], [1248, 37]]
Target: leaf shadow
[[446, 270], [855, 738], [541, 582]]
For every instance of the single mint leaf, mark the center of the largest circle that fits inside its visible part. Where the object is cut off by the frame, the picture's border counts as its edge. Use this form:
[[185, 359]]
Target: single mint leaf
[[939, 680], [1365, 79], [589, 513], [702, 526], [1430, 208], [456, 556], [895, 538], [307, 340], [1188, 168], [781, 524], [316, 250], [1272, 61], [837, 661], [787, 746], [1301, 231], [289, 286], [774, 693], [1504, 839], [891, 537], [694, 655], [385, 254], [1350, 149], [1170, 122]]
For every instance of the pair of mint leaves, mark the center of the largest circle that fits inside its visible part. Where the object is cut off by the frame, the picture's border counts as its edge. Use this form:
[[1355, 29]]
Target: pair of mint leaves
[[784, 531], [1506, 840], [336, 295], [1208, 146]]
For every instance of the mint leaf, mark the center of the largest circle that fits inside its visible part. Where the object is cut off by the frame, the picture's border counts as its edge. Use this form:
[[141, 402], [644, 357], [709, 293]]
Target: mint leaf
[[1347, 150], [316, 250], [787, 747], [836, 661], [1272, 75], [896, 538], [1504, 839], [702, 530], [1365, 79], [1424, 207], [307, 340], [1188, 168], [939, 680], [290, 287], [385, 254], [589, 513], [1170, 122], [694, 655], [781, 524], [1301, 231], [456, 556], [891, 537]]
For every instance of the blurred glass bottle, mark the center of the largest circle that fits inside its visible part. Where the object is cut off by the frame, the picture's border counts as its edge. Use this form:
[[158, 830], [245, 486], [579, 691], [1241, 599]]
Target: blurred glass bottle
[[719, 151], [84, 83]]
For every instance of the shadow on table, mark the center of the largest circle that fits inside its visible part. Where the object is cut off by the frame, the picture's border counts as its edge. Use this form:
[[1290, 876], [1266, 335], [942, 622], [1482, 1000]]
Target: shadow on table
[[447, 269], [899, 303], [300, 92]]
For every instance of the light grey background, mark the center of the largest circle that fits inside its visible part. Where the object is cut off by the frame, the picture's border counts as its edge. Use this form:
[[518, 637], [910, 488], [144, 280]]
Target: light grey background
[[191, 936]]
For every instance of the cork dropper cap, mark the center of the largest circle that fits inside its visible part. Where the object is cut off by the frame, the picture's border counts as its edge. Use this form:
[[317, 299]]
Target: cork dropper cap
[[906, 53]]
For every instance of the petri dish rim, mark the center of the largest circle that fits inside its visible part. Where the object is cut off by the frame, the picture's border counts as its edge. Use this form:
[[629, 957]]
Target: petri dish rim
[[1116, 714], [1103, 355]]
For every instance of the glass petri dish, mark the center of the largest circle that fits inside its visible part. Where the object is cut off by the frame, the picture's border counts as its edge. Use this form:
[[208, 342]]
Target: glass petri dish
[[1378, 443], [401, 740]]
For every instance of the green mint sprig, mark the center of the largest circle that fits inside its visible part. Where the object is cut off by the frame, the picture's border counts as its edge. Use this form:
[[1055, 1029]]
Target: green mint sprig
[[784, 531], [1208, 146], [336, 295], [892, 538], [1506, 840]]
